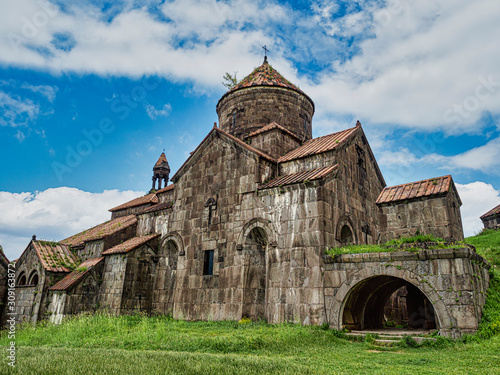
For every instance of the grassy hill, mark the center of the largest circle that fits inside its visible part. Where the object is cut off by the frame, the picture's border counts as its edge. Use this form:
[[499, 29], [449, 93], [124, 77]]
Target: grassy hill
[[102, 344]]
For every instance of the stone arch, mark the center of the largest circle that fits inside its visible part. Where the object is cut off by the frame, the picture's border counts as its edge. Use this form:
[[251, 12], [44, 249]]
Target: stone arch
[[172, 239], [345, 230], [21, 280], [442, 315], [264, 225], [33, 279]]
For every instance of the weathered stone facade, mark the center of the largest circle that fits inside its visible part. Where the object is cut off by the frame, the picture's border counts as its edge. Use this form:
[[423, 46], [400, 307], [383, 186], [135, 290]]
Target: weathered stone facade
[[243, 230], [491, 219]]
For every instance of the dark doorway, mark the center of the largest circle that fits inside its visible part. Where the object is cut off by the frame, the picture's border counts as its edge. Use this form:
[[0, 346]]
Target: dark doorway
[[387, 301], [346, 237]]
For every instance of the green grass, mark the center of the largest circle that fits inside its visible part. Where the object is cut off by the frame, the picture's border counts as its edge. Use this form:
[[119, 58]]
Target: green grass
[[102, 344]]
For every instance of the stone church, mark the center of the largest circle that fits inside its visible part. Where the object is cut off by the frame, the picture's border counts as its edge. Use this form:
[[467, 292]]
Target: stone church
[[242, 231]]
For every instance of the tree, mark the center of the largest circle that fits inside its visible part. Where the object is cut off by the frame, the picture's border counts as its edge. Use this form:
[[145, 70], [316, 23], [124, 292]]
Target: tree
[[230, 80]]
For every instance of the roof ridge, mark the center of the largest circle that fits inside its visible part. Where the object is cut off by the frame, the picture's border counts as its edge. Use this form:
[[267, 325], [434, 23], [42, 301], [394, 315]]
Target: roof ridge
[[316, 146], [271, 126]]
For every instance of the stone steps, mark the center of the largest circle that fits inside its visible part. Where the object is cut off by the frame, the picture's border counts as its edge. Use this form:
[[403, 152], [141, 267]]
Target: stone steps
[[386, 338]]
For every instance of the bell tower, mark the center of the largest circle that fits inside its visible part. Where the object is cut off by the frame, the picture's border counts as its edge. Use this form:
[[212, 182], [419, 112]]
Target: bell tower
[[161, 170]]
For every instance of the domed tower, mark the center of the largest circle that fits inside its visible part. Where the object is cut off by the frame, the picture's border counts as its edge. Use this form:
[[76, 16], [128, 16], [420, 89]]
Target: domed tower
[[161, 170], [261, 98]]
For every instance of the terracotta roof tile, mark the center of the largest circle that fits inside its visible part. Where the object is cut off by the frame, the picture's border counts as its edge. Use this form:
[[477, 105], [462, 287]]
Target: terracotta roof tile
[[162, 159], [296, 178], [69, 280], [158, 207], [269, 127], [149, 198], [129, 244], [432, 186], [101, 230], [493, 212], [54, 256], [319, 145], [165, 189]]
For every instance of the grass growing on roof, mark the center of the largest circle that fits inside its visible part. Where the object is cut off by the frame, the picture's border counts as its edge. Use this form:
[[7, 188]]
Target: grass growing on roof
[[400, 244]]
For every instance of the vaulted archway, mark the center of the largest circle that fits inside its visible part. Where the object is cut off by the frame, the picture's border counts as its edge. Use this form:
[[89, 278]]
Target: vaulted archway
[[366, 305]]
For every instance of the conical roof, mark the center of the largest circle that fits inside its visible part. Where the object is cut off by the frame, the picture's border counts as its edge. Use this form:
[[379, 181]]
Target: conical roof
[[265, 75], [162, 159]]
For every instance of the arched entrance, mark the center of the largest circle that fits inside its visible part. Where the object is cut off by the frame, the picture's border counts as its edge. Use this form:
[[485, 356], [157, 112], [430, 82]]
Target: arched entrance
[[254, 277], [165, 274], [370, 305], [346, 237]]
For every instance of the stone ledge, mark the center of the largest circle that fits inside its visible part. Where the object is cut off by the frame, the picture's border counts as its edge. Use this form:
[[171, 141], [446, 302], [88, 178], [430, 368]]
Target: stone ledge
[[467, 253]]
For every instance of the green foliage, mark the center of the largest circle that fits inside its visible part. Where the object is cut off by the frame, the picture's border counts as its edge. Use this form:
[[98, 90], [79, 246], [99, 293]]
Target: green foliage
[[230, 80], [399, 244]]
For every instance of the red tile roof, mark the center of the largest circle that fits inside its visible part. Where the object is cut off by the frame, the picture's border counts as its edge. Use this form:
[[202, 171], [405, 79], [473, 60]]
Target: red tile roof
[[54, 256], [296, 178], [271, 126], [265, 75], [424, 188], [101, 230], [493, 212], [158, 207], [165, 189], [149, 198], [129, 244], [162, 159], [69, 280], [321, 144]]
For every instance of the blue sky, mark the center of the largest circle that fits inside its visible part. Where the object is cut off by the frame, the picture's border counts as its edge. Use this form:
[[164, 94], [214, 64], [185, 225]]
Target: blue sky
[[92, 92]]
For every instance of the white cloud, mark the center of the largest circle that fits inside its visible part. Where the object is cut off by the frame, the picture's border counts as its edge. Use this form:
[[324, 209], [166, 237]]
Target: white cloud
[[47, 91], [53, 214], [16, 111], [477, 198], [154, 113]]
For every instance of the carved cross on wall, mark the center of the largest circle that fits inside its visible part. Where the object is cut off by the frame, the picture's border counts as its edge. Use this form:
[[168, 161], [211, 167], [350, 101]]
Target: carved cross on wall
[[212, 205]]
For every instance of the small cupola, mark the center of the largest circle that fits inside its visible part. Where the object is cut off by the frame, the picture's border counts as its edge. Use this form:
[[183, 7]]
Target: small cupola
[[161, 170]]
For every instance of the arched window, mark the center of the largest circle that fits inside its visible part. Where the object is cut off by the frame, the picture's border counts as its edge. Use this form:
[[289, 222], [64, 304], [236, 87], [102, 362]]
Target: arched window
[[33, 280], [346, 237], [21, 281], [234, 119]]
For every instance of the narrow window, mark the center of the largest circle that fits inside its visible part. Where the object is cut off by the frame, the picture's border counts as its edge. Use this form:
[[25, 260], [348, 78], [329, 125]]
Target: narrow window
[[208, 263], [305, 125], [234, 119]]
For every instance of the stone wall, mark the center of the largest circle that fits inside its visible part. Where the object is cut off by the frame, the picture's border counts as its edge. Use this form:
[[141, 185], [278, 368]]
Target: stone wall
[[492, 222], [436, 215], [154, 222], [82, 297], [258, 106], [111, 291], [455, 281], [275, 143], [138, 284]]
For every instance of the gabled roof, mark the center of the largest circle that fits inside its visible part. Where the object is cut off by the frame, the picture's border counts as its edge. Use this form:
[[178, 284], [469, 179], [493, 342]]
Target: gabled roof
[[271, 126], [101, 230], [165, 189], [69, 280], [216, 132], [149, 198], [130, 244], [158, 207], [492, 212], [424, 188], [300, 177], [321, 144], [54, 256]]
